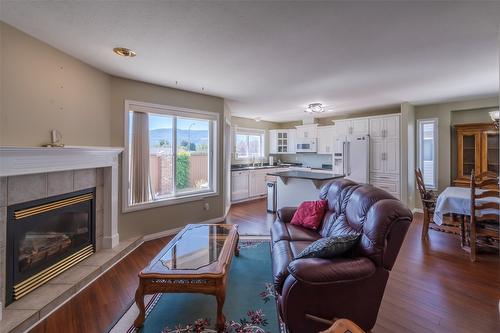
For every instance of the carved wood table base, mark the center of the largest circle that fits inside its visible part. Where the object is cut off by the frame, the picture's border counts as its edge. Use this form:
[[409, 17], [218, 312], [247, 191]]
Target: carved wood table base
[[210, 279]]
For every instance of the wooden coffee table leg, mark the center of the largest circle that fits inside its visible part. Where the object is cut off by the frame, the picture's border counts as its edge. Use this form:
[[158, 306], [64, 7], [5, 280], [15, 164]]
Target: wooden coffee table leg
[[221, 297], [139, 300]]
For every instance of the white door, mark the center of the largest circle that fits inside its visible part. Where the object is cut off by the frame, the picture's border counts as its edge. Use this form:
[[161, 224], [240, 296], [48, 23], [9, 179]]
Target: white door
[[391, 127], [292, 136], [391, 157], [239, 185], [341, 128], [376, 155], [358, 156], [359, 127], [376, 128]]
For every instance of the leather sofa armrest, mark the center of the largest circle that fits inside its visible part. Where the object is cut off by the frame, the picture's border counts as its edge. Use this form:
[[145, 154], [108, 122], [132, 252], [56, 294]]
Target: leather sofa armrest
[[285, 214], [317, 270]]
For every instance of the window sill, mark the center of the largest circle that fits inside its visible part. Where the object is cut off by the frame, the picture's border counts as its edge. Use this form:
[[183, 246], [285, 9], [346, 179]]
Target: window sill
[[168, 202]]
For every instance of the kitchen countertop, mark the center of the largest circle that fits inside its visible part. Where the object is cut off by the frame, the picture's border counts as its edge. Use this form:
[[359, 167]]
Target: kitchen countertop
[[306, 175], [318, 178], [249, 167]]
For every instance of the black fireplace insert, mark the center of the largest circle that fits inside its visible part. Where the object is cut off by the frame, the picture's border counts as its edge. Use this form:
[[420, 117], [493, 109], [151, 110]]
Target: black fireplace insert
[[46, 237]]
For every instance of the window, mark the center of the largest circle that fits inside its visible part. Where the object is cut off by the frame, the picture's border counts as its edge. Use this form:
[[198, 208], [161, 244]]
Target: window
[[427, 150], [249, 143], [170, 155]]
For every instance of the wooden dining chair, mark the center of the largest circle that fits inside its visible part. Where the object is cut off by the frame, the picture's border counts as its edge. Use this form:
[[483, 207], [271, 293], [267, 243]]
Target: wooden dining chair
[[428, 202], [484, 214]]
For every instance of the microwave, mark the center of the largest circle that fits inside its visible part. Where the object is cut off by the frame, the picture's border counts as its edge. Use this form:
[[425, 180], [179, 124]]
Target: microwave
[[305, 145]]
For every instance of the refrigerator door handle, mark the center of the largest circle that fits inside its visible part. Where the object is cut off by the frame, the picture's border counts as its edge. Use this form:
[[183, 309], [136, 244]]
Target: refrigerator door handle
[[344, 159]]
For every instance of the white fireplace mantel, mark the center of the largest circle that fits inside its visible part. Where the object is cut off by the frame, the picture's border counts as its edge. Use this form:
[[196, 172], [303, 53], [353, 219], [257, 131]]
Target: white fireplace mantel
[[16, 161]]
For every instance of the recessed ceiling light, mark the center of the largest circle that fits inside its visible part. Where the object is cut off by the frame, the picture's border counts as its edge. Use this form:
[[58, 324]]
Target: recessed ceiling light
[[315, 108], [124, 52]]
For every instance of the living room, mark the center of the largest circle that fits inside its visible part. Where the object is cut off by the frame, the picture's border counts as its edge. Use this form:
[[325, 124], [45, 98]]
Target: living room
[[156, 127]]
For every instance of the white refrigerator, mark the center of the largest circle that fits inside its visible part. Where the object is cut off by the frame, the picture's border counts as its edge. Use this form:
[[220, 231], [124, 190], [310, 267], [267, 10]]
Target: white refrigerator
[[351, 157]]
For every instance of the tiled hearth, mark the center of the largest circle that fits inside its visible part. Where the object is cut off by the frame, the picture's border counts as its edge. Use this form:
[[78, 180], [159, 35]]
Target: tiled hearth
[[61, 171]]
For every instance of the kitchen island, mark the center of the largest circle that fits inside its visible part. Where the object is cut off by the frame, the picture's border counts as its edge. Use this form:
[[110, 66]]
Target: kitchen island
[[294, 187]]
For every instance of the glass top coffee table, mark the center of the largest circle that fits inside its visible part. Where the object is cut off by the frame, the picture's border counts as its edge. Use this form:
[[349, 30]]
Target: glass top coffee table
[[197, 260]]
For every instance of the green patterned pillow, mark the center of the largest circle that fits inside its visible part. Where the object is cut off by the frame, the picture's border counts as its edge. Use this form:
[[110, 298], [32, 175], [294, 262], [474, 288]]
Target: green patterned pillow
[[329, 247]]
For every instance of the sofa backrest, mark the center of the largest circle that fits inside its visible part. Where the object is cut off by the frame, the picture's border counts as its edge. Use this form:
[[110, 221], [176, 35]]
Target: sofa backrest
[[381, 219]]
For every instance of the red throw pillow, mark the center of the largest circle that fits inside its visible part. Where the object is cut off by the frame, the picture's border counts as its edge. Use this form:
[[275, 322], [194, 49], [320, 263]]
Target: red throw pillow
[[309, 214]]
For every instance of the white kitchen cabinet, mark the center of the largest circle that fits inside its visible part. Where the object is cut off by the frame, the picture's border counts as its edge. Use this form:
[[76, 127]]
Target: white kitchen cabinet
[[376, 155], [351, 127], [257, 182], [239, 185], [273, 141], [325, 139], [307, 131], [282, 141], [384, 127], [384, 155]]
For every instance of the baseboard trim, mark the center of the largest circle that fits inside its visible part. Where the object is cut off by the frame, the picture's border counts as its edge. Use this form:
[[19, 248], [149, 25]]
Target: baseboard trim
[[417, 210], [171, 232], [249, 199]]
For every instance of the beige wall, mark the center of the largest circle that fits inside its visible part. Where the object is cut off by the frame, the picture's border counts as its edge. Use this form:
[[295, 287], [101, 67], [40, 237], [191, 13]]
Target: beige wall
[[44, 88], [251, 123], [154, 220], [408, 186], [443, 112]]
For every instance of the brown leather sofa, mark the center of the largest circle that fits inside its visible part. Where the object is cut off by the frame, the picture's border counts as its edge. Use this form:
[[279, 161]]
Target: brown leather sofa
[[313, 290]]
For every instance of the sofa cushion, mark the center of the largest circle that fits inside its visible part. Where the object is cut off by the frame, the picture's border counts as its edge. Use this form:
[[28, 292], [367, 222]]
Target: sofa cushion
[[298, 246], [290, 232], [329, 247], [309, 214], [281, 257]]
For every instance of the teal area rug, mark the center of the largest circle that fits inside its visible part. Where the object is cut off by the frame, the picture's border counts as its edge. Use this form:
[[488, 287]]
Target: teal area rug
[[250, 305]]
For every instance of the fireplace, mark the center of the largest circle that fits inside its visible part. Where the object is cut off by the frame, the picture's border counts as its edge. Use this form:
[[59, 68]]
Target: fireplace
[[46, 237]]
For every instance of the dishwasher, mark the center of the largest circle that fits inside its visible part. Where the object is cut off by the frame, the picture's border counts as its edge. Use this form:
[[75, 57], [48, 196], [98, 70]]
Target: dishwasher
[[271, 196]]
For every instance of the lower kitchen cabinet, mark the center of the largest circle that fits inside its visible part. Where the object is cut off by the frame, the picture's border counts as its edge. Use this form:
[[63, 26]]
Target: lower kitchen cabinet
[[239, 185], [248, 184]]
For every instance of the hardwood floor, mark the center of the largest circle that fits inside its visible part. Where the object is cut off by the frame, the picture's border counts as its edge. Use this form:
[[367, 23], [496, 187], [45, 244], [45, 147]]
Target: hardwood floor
[[433, 287], [251, 217]]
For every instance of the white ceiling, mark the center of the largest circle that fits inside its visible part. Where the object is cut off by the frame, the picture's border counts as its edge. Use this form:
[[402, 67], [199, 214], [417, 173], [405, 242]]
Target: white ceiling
[[270, 59]]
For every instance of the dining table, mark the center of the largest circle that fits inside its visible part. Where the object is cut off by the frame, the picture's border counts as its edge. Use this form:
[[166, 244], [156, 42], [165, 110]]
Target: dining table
[[456, 200]]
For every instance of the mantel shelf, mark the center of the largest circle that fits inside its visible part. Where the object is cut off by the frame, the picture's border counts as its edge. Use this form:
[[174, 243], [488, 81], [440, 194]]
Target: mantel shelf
[[30, 160]]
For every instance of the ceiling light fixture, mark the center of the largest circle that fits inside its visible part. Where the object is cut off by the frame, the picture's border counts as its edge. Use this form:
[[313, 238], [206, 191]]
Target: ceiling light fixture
[[315, 108], [124, 52], [257, 119], [495, 116]]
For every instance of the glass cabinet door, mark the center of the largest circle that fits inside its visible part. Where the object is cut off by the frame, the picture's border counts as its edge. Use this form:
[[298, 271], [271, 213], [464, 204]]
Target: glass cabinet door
[[490, 158], [469, 148]]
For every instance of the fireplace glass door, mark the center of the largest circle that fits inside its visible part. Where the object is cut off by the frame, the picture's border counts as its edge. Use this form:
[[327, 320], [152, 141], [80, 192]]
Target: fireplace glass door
[[45, 237]]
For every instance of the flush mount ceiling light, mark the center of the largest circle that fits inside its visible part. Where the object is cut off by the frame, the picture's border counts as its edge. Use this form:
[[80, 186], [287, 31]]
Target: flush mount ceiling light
[[124, 52], [495, 116], [315, 108]]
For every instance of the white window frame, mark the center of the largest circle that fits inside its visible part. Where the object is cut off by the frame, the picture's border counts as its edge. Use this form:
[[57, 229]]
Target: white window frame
[[250, 131], [420, 122], [213, 190]]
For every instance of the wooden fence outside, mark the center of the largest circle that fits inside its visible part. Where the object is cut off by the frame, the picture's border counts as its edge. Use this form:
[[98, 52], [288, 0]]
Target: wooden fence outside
[[162, 177]]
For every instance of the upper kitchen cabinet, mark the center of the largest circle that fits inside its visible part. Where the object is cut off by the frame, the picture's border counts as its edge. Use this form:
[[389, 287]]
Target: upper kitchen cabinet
[[282, 141], [307, 131], [351, 127], [384, 127], [325, 139]]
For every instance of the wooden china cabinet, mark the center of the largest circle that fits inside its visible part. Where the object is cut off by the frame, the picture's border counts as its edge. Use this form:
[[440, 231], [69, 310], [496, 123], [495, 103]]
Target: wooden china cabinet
[[478, 150]]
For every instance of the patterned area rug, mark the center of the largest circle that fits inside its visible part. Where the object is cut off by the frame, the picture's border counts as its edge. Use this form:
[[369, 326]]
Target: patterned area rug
[[250, 305]]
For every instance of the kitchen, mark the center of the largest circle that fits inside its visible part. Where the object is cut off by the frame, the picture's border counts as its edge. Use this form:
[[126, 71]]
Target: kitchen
[[294, 161]]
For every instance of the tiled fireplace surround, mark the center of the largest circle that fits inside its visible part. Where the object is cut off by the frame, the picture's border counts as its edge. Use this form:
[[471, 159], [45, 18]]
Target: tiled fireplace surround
[[63, 171]]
